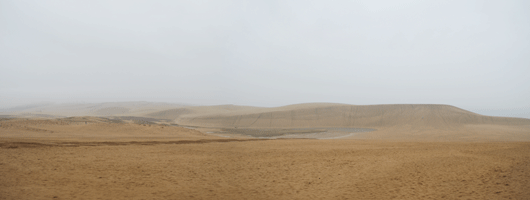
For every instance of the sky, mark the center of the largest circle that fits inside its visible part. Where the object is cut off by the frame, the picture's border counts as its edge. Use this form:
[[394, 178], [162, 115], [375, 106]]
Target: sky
[[470, 54]]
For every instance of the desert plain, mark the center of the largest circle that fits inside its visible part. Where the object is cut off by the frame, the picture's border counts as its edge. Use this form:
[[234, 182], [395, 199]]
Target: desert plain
[[303, 151]]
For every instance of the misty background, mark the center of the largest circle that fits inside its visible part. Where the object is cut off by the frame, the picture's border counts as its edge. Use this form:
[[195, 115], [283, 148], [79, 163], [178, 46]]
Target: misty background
[[471, 54]]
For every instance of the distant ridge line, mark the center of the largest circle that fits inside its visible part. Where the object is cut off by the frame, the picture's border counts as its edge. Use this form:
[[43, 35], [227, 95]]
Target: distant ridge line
[[439, 116]]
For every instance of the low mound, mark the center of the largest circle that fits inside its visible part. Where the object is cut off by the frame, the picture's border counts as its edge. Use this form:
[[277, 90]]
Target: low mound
[[204, 111], [92, 128], [137, 108]]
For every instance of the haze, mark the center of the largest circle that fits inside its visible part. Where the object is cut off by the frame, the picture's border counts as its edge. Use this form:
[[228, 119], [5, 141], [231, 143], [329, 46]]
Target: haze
[[470, 54]]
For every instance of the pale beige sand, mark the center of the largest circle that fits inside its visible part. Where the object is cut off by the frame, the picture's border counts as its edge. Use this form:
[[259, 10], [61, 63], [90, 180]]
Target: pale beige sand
[[449, 154], [272, 169]]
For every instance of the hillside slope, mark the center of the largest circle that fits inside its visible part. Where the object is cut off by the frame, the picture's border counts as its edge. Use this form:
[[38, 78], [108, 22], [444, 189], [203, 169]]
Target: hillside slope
[[338, 115]]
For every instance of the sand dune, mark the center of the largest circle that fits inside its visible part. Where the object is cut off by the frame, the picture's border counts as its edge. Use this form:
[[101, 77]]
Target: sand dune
[[92, 128], [125, 158], [371, 116], [400, 121], [394, 122]]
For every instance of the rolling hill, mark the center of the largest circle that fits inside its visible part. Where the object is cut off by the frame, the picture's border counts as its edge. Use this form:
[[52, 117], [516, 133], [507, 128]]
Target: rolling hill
[[397, 121], [333, 115]]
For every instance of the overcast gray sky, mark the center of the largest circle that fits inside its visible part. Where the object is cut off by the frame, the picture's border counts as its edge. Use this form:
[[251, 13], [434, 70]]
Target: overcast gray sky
[[471, 54]]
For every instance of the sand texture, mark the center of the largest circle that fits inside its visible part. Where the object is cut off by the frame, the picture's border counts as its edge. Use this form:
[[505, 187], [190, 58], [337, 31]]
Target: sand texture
[[273, 169], [414, 152]]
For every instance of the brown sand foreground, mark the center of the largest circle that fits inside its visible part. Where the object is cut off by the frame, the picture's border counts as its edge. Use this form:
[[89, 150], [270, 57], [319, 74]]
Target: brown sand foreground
[[94, 158]]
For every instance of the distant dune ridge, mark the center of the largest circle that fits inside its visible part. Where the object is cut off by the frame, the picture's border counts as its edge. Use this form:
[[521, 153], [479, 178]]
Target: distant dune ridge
[[398, 121], [51, 110], [394, 121], [334, 115]]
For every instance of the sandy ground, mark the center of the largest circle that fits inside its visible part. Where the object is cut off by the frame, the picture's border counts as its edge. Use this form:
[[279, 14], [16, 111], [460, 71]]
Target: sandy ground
[[274, 169], [91, 158]]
